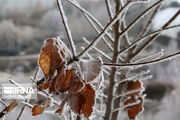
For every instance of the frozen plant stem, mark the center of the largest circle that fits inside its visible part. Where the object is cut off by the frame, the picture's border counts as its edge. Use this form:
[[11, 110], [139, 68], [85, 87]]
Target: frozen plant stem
[[108, 6], [113, 69], [115, 19], [143, 63], [27, 100], [66, 26], [143, 46], [146, 36]]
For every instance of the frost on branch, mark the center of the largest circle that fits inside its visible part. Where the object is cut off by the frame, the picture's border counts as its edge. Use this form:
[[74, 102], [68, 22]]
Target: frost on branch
[[74, 80]]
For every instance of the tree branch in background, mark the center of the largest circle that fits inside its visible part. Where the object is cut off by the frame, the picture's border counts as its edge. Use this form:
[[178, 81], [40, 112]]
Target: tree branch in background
[[156, 35], [66, 26], [143, 63], [109, 10], [116, 18]]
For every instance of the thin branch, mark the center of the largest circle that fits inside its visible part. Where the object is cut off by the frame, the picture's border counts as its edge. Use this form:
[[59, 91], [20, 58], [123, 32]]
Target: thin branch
[[66, 26], [156, 35], [143, 63], [21, 112], [136, 76], [116, 18], [96, 29], [7, 110], [108, 6], [128, 93], [3, 103], [27, 100], [124, 106], [140, 16], [98, 50], [84, 12], [146, 36], [148, 24]]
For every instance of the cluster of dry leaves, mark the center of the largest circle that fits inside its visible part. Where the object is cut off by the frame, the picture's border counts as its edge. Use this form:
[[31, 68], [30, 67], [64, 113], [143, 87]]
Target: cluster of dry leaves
[[78, 81], [73, 80]]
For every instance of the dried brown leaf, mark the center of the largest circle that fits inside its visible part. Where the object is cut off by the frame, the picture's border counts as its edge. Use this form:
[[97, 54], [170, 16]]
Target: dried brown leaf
[[50, 58], [87, 107], [134, 110], [37, 110], [76, 102], [11, 106], [65, 79], [133, 85]]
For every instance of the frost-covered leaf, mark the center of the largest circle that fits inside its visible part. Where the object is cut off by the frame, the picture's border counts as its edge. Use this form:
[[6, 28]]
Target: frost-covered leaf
[[37, 110], [133, 85], [76, 102], [65, 79], [87, 107], [134, 110], [90, 69], [51, 57]]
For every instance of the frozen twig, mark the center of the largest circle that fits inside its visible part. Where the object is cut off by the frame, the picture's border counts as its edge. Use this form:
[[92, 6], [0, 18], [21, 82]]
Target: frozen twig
[[66, 26], [27, 100], [143, 63], [84, 12], [134, 77], [115, 19], [150, 56], [140, 49], [148, 24], [140, 17], [146, 36], [109, 10], [3, 103], [96, 29], [98, 50], [128, 93], [124, 106]]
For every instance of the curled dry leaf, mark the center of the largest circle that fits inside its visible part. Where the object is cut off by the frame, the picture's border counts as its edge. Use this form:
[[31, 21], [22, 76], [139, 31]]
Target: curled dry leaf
[[37, 110], [134, 110], [11, 106], [90, 69], [51, 57]]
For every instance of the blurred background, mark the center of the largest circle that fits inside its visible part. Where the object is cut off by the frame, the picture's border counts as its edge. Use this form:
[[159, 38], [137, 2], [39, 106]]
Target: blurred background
[[24, 25]]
